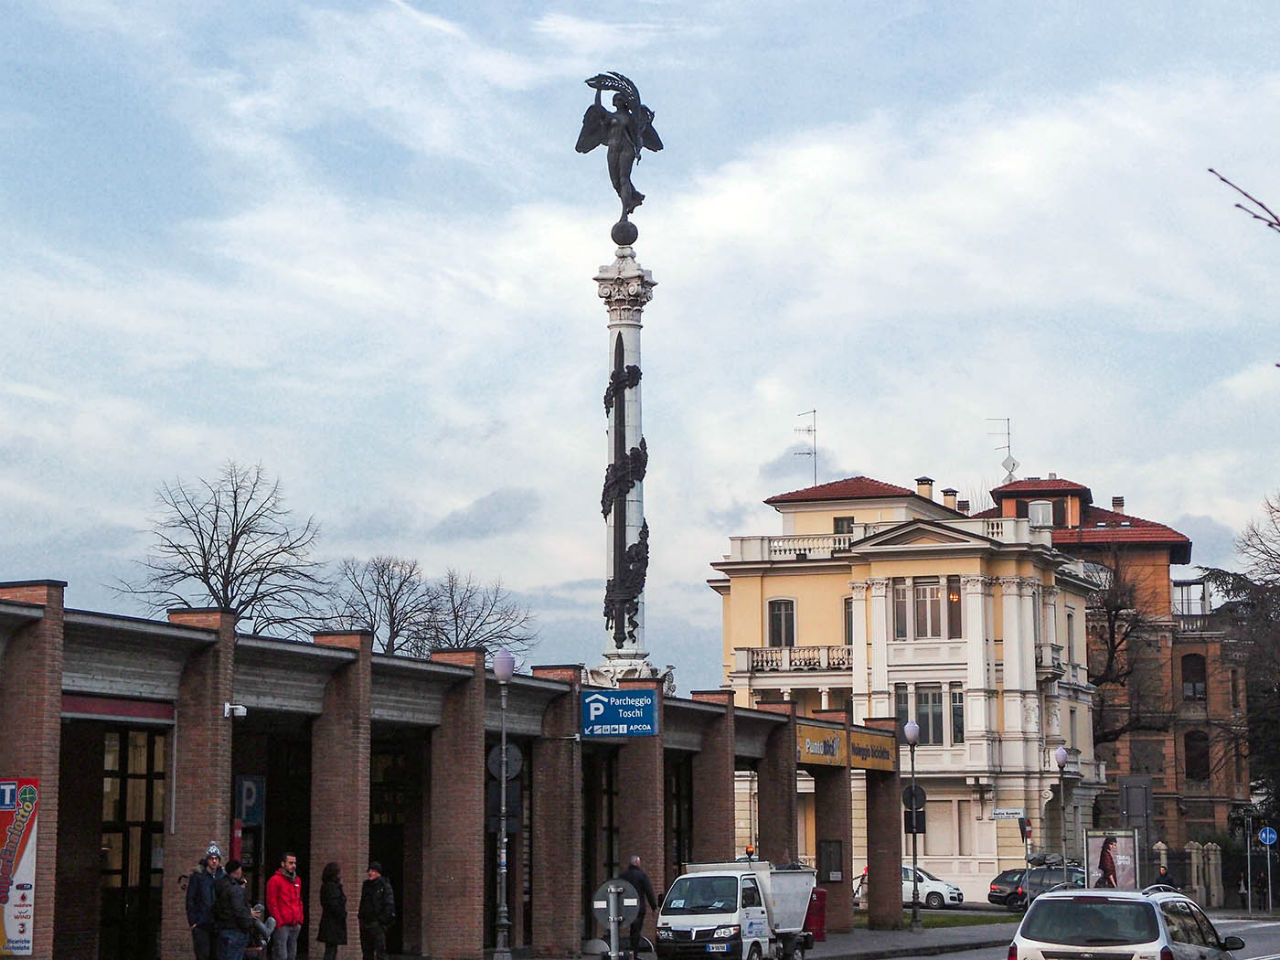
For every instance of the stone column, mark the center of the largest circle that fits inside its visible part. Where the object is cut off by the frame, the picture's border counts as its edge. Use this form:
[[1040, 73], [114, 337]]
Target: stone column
[[859, 686], [1014, 655], [202, 752], [340, 773], [976, 727], [31, 718], [881, 701]]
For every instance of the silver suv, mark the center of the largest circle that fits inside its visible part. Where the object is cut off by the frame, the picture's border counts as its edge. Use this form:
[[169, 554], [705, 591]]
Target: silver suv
[[1152, 922]]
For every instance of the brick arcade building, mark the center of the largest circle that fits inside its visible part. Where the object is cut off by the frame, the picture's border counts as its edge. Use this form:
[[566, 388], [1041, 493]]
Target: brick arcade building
[[347, 755]]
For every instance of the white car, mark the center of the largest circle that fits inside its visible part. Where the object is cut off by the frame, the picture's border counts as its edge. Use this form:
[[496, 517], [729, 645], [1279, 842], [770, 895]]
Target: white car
[[934, 893]]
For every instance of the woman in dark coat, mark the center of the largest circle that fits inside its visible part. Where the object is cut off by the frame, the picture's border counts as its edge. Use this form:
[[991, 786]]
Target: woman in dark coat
[[333, 911]]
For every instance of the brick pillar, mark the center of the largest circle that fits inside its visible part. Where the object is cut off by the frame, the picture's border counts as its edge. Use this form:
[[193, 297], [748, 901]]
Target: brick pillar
[[713, 801], [833, 820], [31, 718], [340, 776], [777, 829], [79, 842], [454, 880], [557, 822], [641, 810], [417, 847], [884, 840], [202, 753]]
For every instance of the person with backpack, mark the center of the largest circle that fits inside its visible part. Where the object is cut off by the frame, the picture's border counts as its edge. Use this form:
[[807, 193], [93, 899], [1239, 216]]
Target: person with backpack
[[231, 914], [377, 913], [201, 892]]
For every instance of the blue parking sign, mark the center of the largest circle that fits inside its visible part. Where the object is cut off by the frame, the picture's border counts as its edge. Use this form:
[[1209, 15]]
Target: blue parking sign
[[1267, 835], [619, 713]]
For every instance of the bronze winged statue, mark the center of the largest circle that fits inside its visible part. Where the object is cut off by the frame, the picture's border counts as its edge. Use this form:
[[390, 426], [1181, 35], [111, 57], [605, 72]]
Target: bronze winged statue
[[625, 131]]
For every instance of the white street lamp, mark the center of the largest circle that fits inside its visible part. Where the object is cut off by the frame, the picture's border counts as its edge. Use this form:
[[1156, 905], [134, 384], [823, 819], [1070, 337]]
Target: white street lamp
[[504, 666], [911, 731], [1060, 755]]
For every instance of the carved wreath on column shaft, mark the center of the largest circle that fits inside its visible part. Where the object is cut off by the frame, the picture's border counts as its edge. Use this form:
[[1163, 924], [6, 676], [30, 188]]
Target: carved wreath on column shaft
[[620, 478], [622, 592], [620, 380]]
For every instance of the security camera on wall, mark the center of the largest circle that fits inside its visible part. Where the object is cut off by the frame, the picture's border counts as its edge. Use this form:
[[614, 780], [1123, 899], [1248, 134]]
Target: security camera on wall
[[234, 710]]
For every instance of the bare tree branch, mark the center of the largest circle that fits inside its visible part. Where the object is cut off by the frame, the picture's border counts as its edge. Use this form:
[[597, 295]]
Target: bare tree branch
[[480, 615], [389, 597], [1267, 216], [231, 543]]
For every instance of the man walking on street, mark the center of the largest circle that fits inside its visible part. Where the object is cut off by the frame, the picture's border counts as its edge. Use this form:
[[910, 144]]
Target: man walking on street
[[377, 912], [635, 875], [284, 902]]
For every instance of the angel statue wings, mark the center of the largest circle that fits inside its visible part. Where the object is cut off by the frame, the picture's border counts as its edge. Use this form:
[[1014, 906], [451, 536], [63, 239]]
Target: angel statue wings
[[625, 131]]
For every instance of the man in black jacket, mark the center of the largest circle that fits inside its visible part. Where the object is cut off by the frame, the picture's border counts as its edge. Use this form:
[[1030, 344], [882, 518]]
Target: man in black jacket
[[635, 875], [377, 912], [231, 913], [200, 896]]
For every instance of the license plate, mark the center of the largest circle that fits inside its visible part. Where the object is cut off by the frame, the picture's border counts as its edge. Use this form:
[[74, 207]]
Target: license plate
[[717, 948]]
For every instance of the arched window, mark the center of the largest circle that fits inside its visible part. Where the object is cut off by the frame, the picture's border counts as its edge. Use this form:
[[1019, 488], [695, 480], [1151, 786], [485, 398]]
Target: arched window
[[782, 623], [1196, 754], [1193, 683]]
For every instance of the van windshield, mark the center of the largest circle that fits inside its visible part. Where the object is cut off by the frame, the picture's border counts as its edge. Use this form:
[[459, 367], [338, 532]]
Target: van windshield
[[702, 894], [1090, 921]]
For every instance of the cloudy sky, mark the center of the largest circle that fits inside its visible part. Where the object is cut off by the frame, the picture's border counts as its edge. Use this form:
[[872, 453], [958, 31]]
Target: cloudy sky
[[353, 242]]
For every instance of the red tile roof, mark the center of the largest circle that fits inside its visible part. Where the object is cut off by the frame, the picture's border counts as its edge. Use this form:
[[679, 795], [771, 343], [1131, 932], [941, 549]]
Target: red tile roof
[[850, 488], [1117, 528], [1037, 485]]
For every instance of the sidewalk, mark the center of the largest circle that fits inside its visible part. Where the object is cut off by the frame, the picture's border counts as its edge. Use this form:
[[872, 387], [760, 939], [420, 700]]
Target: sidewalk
[[872, 944]]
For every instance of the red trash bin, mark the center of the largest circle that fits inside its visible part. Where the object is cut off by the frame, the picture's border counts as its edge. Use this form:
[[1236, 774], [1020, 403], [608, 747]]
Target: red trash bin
[[815, 919]]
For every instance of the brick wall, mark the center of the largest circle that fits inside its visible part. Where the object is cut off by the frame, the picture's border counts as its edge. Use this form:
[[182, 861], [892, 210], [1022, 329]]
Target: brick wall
[[455, 877], [884, 841], [31, 702], [340, 778], [557, 823], [202, 745], [713, 800], [833, 820], [778, 828]]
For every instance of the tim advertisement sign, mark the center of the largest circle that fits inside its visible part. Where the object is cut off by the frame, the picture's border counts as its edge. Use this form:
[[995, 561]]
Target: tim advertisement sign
[[19, 803]]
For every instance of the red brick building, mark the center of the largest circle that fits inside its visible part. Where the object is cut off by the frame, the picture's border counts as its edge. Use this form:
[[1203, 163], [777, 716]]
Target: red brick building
[[134, 729]]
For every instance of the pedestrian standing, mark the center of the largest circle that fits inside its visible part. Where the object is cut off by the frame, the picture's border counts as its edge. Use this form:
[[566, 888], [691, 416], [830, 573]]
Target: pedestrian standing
[[201, 892], [1244, 894], [635, 875], [333, 911], [284, 902], [377, 913], [231, 914]]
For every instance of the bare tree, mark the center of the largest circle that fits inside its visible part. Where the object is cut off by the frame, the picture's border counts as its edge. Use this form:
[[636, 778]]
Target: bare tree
[[474, 614], [389, 597], [1256, 209], [231, 543], [1125, 661]]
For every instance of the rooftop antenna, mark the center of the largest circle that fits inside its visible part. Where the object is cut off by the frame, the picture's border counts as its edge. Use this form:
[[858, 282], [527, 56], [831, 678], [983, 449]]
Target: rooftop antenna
[[1009, 463], [812, 431]]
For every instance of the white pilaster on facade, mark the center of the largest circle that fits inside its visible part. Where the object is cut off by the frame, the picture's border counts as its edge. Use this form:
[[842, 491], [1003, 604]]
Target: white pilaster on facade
[[1014, 654], [859, 688], [973, 591], [881, 702]]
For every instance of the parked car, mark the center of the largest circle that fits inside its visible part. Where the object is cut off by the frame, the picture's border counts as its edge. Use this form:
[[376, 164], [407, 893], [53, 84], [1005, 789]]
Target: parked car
[[1038, 880], [934, 893], [1148, 923], [1005, 886]]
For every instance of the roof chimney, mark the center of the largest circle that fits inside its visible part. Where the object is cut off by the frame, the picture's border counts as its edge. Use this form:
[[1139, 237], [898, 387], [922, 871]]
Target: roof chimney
[[924, 487], [1053, 476], [963, 506], [949, 498], [1117, 504]]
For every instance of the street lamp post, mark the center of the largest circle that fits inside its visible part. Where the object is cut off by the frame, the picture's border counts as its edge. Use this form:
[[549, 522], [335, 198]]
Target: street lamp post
[[911, 731], [1060, 755], [504, 665]]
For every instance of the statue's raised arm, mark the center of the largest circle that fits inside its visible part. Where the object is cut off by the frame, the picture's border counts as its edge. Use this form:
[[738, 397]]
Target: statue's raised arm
[[625, 130]]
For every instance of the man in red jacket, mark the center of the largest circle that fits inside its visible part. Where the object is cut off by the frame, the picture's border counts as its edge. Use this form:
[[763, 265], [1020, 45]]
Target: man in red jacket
[[284, 902]]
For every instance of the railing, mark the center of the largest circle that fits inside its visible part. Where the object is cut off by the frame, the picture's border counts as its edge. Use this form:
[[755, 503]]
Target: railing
[[1049, 659], [1011, 530], [792, 659]]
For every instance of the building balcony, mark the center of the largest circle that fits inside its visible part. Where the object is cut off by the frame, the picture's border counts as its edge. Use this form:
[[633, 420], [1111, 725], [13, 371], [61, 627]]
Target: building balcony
[[792, 659], [820, 546], [1050, 661]]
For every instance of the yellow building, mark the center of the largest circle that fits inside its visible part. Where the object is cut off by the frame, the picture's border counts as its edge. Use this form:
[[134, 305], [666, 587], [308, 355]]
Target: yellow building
[[879, 599]]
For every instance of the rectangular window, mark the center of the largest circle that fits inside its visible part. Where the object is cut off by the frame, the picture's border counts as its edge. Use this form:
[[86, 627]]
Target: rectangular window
[[954, 623], [929, 714], [848, 621], [901, 708], [1037, 615], [928, 609], [844, 524], [957, 713], [782, 623], [1235, 689], [899, 609], [1071, 634], [1074, 743]]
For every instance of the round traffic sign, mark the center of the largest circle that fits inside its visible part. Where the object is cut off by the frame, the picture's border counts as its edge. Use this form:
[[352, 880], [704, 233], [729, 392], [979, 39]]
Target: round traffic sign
[[913, 798], [627, 899], [515, 760], [1267, 835]]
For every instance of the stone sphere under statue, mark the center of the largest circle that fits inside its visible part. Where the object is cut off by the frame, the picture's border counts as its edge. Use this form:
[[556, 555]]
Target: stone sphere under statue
[[624, 233]]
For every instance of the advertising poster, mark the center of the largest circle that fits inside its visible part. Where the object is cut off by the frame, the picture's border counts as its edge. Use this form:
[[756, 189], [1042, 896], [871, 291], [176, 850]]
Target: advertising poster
[[19, 802], [1112, 858]]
